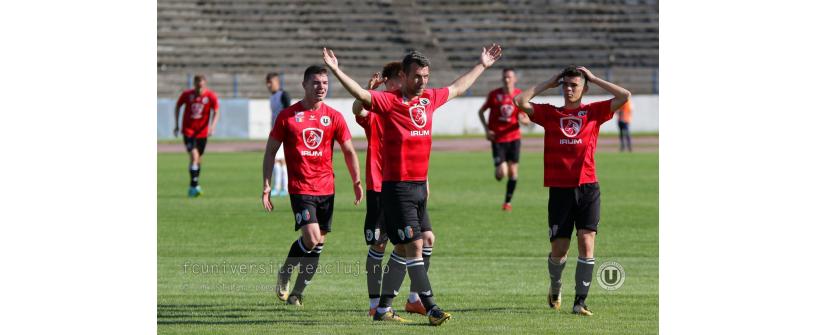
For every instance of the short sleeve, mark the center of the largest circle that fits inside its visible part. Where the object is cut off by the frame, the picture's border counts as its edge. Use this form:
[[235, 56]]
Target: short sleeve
[[341, 132], [539, 113], [486, 104], [379, 102], [364, 122], [181, 99], [440, 96], [279, 129], [601, 111]]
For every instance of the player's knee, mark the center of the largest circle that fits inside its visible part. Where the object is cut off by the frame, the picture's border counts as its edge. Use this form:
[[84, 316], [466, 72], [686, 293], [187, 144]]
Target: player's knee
[[380, 248], [311, 240]]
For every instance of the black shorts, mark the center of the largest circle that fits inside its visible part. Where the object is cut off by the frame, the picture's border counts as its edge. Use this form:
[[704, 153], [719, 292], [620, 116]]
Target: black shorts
[[573, 207], [197, 143], [405, 205], [312, 209], [506, 152], [374, 219], [622, 125]]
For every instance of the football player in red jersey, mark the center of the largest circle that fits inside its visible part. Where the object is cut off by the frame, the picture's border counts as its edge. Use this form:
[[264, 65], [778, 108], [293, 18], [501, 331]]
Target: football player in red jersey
[[407, 125], [307, 130], [568, 170], [198, 103], [504, 131]]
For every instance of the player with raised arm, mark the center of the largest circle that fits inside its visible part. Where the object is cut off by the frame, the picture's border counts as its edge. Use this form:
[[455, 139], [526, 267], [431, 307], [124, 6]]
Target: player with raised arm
[[570, 141], [307, 131], [375, 234], [504, 132], [198, 103], [407, 116]]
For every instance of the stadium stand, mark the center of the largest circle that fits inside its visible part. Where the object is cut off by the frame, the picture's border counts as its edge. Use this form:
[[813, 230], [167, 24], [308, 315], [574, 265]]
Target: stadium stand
[[235, 42]]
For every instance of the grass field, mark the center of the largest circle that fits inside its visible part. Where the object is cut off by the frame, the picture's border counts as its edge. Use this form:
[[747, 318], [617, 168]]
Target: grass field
[[217, 253]]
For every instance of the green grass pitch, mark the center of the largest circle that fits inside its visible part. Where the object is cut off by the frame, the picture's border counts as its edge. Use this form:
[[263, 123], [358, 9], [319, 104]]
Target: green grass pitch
[[217, 253]]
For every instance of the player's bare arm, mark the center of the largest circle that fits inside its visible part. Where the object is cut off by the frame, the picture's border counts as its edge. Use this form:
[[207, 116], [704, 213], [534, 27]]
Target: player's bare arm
[[524, 119], [177, 111], [620, 94], [373, 83], [353, 168], [268, 164], [490, 133], [215, 115], [463, 83], [523, 100], [349, 84]]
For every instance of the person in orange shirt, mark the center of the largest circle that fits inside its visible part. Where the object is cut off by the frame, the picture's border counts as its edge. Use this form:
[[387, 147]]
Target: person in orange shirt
[[623, 119]]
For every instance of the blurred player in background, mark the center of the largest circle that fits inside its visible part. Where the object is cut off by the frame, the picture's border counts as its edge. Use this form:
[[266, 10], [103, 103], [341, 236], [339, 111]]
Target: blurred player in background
[[568, 170], [198, 103], [504, 131], [407, 125], [307, 130], [623, 120], [278, 100]]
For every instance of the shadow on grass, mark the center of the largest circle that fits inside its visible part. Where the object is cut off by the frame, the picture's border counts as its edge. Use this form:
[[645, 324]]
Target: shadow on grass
[[244, 322]]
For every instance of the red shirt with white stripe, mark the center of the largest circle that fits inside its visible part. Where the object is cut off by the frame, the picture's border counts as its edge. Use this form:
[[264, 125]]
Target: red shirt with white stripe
[[372, 124], [570, 141], [308, 141], [197, 110], [503, 118], [407, 129]]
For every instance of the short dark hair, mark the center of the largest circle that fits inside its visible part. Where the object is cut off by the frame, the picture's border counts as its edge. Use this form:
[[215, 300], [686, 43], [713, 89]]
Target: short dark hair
[[391, 70], [199, 77], [271, 75], [572, 71], [414, 56], [314, 69], [507, 69]]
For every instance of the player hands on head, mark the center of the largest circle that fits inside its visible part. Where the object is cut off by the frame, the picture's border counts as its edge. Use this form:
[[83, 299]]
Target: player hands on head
[[406, 154], [307, 131], [570, 140]]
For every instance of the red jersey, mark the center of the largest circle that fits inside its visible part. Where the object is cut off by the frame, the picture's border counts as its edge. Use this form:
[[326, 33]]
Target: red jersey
[[308, 141], [570, 141], [407, 127], [373, 160], [197, 110], [503, 118]]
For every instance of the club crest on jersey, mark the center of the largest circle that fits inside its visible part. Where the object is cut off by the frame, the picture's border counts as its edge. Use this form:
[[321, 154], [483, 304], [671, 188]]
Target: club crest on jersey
[[424, 101], [299, 117], [581, 113], [571, 126], [506, 112], [418, 116], [205, 100], [325, 120], [312, 137]]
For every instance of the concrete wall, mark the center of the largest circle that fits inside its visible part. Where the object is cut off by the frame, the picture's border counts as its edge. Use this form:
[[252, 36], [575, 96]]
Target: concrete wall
[[251, 119]]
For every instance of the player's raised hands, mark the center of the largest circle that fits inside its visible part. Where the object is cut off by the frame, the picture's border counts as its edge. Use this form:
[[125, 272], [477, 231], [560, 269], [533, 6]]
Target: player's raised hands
[[589, 76], [267, 201], [329, 59], [490, 55], [375, 81]]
